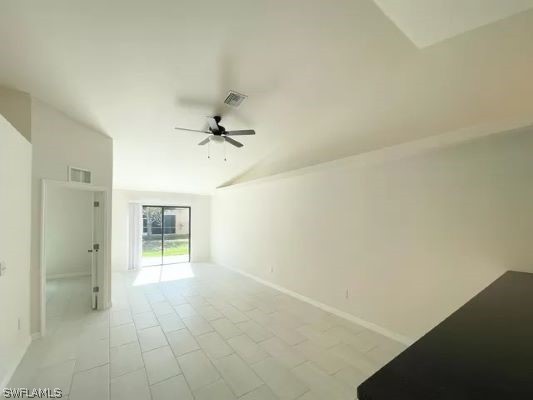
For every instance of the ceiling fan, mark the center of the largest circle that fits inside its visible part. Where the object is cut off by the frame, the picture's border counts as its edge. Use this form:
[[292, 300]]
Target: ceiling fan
[[218, 134]]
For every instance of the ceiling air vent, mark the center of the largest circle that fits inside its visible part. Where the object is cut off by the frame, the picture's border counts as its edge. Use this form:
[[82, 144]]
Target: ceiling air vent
[[79, 175], [235, 99]]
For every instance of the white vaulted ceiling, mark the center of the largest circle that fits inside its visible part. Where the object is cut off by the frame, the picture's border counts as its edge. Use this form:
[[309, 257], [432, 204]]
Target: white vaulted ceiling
[[325, 79], [427, 22]]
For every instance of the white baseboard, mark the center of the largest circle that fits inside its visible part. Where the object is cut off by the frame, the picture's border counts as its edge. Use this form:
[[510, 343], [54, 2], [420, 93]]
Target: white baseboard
[[332, 310], [16, 363], [67, 275]]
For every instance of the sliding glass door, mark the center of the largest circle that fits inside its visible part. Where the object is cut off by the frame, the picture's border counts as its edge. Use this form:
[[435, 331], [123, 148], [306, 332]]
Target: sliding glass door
[[152, 236], [166, 235], [176, 235]]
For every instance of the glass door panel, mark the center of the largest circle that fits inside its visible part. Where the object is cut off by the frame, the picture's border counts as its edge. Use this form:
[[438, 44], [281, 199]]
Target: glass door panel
[[152, 237], [176, 234]]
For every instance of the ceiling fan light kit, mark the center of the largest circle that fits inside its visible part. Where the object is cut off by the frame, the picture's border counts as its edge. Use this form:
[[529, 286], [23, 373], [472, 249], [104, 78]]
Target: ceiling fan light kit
[[216, 139]]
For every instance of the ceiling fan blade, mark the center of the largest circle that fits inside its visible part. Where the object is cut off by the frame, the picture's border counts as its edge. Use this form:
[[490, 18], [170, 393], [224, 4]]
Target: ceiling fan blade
[[191, 130], [205, 141], [212, 124], [241, 132], [232, 141]]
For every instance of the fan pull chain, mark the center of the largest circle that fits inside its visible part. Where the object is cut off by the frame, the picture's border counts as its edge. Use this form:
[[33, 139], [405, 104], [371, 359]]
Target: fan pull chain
[[208, 150], [225, 151]]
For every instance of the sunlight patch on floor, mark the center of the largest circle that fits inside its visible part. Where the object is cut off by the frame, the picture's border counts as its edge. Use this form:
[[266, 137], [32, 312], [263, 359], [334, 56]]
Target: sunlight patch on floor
[[163, 273]]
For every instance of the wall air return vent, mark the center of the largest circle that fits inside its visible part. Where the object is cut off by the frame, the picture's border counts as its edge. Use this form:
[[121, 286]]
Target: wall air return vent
[[235, 99], [79, 175]]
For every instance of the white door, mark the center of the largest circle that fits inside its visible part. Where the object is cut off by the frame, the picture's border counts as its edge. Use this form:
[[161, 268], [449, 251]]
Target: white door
[[97, 248]]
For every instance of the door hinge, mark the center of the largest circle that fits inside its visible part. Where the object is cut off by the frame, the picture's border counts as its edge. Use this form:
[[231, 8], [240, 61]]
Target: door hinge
[[96, 289], [96, 204], [96, 247]]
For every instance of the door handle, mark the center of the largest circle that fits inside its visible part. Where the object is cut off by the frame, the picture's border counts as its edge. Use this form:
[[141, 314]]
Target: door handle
[[89, 251]]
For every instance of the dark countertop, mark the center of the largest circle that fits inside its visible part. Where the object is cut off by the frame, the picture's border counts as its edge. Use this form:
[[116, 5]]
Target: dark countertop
[[483, 351]]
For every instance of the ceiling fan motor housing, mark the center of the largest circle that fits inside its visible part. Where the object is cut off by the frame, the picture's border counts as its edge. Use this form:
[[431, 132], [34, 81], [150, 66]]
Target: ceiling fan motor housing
[[220, 129]]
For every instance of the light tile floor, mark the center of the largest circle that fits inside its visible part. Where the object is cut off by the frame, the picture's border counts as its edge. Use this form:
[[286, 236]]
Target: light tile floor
[[197, 331]]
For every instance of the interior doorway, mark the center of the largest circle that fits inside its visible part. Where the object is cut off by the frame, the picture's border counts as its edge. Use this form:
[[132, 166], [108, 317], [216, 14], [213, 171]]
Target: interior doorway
[[166, 235], [74, 262]]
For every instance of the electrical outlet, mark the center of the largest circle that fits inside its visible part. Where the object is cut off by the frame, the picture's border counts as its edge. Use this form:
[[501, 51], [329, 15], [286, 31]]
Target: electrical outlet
[[3, 268], [271, 269], [347, 295]]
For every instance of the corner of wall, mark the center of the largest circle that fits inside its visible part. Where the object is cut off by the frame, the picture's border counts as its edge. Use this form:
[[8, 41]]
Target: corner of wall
[[15, 106]]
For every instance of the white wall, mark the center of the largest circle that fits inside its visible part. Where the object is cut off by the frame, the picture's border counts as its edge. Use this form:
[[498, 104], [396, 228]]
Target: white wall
[[68, 233], [15, 189], [58, 141], [200, 221], [411, 239]]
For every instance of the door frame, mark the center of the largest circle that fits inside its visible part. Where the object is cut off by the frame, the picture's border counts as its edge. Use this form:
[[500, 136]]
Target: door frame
[[162, 230], [98, 242], [105, 292]]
